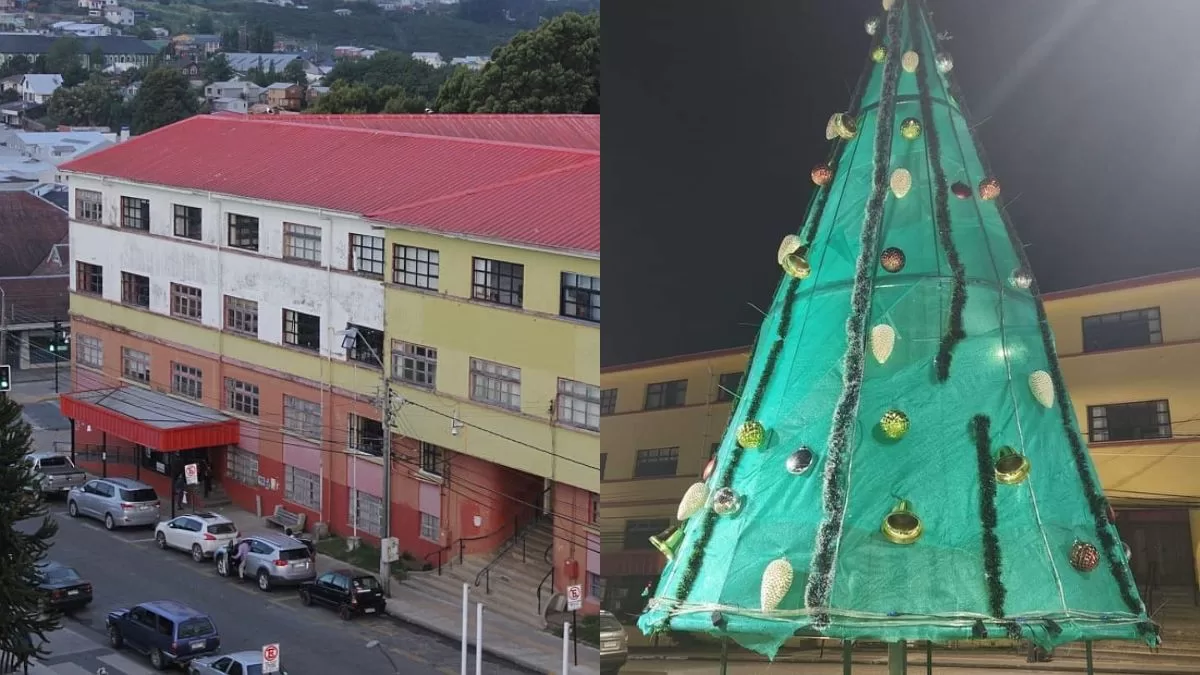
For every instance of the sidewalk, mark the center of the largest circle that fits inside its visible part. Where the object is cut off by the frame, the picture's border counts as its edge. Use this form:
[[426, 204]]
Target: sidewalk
[[503, 638]]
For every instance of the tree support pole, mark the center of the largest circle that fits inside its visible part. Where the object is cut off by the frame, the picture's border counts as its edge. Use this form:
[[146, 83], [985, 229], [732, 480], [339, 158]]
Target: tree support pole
[[724, 655], [898, 658], [1087, 647], [847, 647], [929, 657]]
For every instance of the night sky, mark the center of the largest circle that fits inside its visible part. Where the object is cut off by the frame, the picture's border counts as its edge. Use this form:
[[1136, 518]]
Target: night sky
[[714, 113]]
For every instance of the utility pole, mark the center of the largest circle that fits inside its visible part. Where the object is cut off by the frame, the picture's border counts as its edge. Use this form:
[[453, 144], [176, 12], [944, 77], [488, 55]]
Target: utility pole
[[3, 327], [385, 567]]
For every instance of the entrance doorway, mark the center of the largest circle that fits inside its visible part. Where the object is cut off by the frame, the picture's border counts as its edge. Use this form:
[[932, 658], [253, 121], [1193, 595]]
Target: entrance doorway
[[1160, 541]]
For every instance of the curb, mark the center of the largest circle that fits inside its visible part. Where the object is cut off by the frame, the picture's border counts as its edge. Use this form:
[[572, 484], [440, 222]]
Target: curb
[[457, 639]]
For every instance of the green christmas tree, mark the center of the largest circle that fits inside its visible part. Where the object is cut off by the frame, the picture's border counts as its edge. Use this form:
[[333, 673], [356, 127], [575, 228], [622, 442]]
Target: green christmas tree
[[903, 461]]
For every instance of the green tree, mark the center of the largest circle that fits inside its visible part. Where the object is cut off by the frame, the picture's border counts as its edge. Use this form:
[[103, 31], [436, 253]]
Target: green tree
[[63, 53], [17, 65], [391, 68], [345, 99], [294, 73], [20, 613], [96, 58], [231, 39], [217, 69], [164, 98], [204, 24], [96, 102], [144, 32], [262, 39], [554, 68]]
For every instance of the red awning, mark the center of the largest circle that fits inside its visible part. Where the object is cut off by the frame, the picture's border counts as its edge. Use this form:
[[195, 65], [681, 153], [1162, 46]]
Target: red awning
[[148, 418]]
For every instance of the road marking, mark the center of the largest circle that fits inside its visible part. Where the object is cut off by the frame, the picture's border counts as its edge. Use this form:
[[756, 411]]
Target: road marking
[[411, 656], [124, 664], [447, 671], [138, 541], [69, 668]]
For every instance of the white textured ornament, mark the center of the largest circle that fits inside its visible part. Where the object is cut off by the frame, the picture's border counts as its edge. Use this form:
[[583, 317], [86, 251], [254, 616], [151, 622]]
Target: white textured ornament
[[944, 62], [776, 582], [1042, 387], [693, 500], [831, 127], [788, 246], [901, 182], [883, 338], [887, 5], [910, 61]]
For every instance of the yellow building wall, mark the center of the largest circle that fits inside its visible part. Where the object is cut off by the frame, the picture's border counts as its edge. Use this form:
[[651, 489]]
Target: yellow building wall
[[1159, 470]]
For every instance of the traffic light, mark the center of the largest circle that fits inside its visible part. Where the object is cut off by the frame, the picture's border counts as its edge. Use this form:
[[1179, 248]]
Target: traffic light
[[5, 379], [61, 342]]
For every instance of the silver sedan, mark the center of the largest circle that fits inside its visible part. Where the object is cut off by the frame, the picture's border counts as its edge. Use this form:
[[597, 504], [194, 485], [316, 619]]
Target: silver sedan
[[238, 663]]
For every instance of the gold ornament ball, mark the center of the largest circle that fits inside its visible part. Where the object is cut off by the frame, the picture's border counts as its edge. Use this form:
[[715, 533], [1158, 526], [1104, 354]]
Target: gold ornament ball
[[822, 174], [989, 188], [910, 128], [894, 424], [879, 54], [892, 260], [845, 126], [796, 264], [751, 434]]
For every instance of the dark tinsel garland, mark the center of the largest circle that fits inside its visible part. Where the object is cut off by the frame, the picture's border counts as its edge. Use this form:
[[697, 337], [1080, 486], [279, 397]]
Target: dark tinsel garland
[[981, 427], [958, 293], [820, 581], [1097, 502]]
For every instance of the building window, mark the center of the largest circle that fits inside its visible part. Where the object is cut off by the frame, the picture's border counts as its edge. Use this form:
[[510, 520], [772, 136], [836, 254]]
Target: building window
[[594, 518], [135, 365], [1129, 421], [187, 381], [1135, 328], [241, 397], [135, 213], [89, 278], [89, 351], [243, 232], [656, 463], [580, 297], [603, 464], [366, 513], [496, 281], [365, 435], [666, 394], [89, 206], [431, 526], [135, 289], [416, 267], [241, 466], [414, 364], [638, 532], [187, 222], [302, 242], [366, 254], [368, 348], [302, 487], [241, 315], [608, 401], [496, 384], [302, 417], [578, 404], [301, 330], [433, 459], [595, 585], [186, 302], [727, 386]]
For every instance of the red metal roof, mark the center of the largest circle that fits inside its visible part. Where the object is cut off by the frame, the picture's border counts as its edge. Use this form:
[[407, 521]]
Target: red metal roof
[[580, 132], [151, 419], [389, 175]]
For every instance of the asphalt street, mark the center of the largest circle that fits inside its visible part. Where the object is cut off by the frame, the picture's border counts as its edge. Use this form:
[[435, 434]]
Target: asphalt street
[[126, 568]]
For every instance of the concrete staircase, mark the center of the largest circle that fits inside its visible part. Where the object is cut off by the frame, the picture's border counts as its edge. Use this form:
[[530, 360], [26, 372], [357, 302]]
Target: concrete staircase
[[1178, 617], [514, 577], [216, 499]]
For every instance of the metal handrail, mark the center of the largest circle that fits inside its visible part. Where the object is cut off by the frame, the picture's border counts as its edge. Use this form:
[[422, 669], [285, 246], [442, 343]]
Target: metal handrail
[[550, 577], [462, 546], [485, 574]]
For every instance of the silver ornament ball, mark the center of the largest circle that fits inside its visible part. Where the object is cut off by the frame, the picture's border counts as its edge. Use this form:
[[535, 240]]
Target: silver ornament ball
[[872, 25], [726, 502], [800, 461], [945, 63], [1021, 278]]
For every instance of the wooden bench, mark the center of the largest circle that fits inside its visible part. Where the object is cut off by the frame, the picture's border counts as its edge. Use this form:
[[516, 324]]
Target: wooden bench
[[284, 519]]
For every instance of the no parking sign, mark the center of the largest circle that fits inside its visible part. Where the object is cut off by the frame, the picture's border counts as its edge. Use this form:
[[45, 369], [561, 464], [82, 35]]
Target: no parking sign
[[270, 658]]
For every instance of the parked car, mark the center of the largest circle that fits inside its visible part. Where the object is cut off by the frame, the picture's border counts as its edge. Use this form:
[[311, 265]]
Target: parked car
[[56, 472], [200, 534], [273, 560], [250, 663], [614, 644], [118, 502], [64, 589], [351, 593], [169, 632]]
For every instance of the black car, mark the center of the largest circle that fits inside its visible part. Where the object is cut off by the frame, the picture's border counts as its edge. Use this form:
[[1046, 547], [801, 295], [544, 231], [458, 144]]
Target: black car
[[351, 593], [64, 589]]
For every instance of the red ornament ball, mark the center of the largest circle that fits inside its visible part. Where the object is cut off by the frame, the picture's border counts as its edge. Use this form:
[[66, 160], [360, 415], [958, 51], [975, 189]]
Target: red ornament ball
[[822, 174], [709, 468], [1084, 556], [989, 188], [961, 190], [892, 260]]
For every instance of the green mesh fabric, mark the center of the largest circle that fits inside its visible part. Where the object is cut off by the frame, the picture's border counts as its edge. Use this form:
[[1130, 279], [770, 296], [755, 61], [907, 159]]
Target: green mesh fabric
[[937, 588]]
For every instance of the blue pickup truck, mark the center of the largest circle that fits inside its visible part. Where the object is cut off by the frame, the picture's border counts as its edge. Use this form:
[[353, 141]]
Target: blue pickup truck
[[169, 632]]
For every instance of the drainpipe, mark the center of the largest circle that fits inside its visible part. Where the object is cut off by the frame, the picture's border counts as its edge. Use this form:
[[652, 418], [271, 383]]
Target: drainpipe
[[3, 326]]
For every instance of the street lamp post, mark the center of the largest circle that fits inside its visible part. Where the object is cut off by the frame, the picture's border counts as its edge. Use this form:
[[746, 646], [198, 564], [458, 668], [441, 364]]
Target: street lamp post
[[351, 339]]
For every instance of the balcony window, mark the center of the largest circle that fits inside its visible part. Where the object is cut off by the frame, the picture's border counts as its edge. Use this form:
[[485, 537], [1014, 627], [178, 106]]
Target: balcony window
[[188, 222], [301, 330], [666, 394], [608, 401], [135, 213], [241, 397], [135, 289], [578, 404], [433, 459], [243, 232], [186, 302], [1119, 330], [89, 278], [302, 243], [656, 463], [135, 365], [496, 384], [187, 381], [368, 348], [89, 206], [414, 364], [415, 267], [367, 255], [1129, 421], [365, 435], [302, 417], [498, 282], [580, 297], [241, 316], [727, 386]]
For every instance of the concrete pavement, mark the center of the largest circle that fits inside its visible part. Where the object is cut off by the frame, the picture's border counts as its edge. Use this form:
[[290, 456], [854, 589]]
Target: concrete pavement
[[126, 568]]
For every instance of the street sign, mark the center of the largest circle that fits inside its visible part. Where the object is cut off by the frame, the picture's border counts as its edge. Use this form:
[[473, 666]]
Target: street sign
[[270, 658], [574, 597], [192, 473]]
